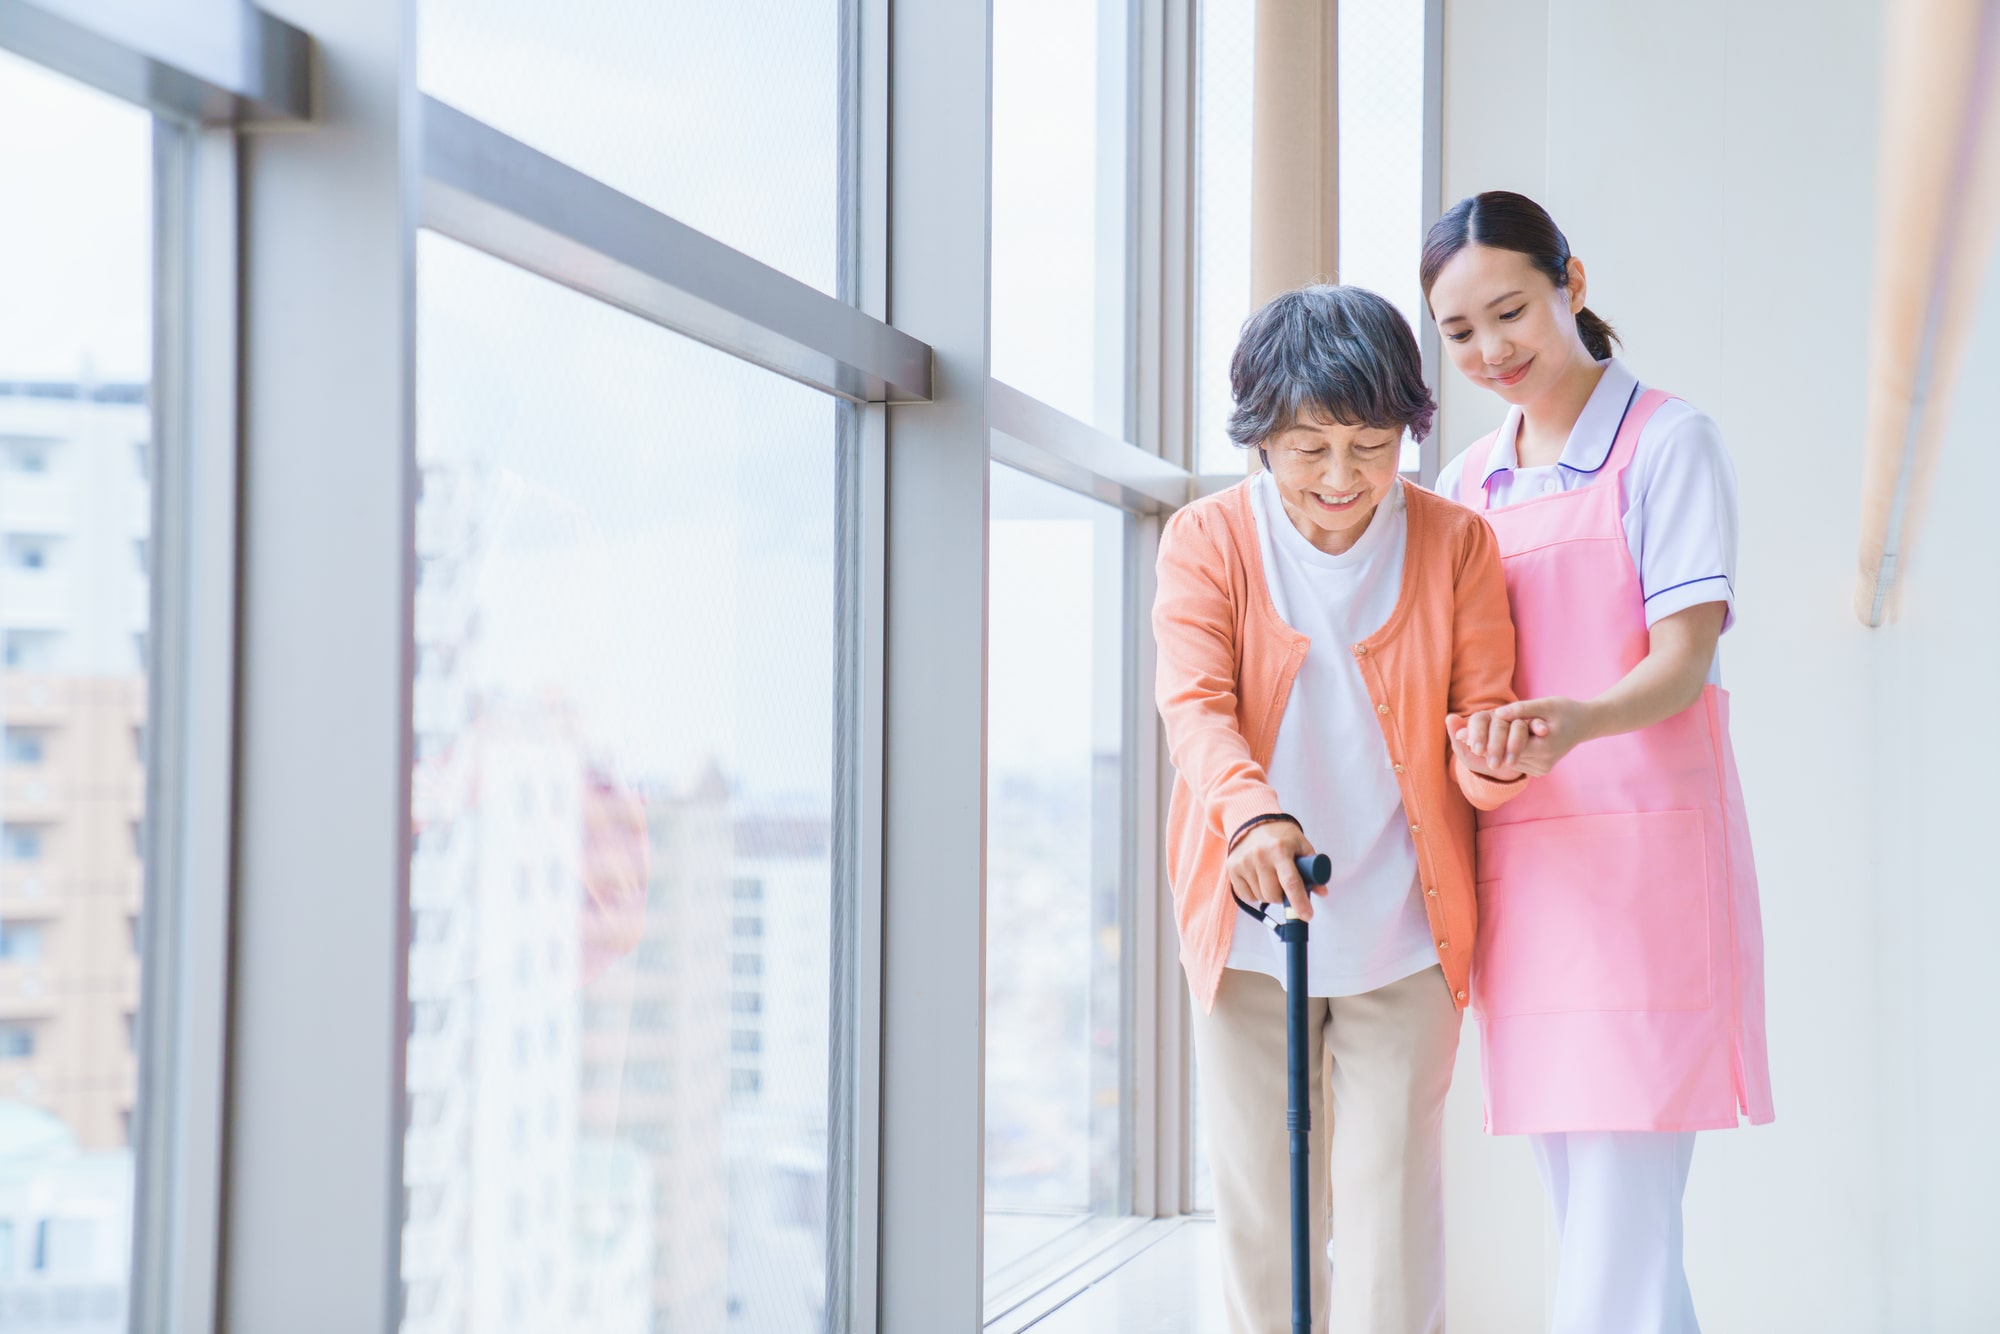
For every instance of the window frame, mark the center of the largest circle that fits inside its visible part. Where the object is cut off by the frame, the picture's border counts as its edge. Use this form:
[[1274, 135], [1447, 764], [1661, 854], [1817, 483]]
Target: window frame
[[247, 455]]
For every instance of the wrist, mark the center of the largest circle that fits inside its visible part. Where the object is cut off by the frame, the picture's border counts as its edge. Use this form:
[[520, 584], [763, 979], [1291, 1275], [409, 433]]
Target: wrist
[[1592, 720]]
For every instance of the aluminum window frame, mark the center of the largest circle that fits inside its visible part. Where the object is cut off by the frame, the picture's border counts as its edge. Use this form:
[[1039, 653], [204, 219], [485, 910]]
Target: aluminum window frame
[[203, 78], [224, 1167]]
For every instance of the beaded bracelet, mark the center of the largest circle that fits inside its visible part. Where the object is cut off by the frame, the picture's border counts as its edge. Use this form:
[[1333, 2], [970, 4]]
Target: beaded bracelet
[[1256, 820]]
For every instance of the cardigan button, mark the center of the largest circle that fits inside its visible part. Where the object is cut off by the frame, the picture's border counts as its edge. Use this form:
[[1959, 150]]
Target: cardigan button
[[1416, 829], [1381, 708], [1433, 893], [1398, 768], [1360, 650], [1461, 995], [1444, 944]]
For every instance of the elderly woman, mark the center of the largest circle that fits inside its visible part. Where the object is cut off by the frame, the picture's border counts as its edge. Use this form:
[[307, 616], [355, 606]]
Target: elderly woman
[[1316, 624]]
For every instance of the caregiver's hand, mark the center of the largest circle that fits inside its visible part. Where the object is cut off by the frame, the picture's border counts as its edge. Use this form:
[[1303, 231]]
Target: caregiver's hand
[[1490, 745], [1263, 869], [1557, 726]]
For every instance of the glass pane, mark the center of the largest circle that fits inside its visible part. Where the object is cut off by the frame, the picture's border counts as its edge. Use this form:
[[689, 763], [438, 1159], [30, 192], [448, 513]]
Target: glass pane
[[1381, 54], [1061, 214], [726, 116], [621, 887], [1056, 839], [1226, 81], [76, 237]]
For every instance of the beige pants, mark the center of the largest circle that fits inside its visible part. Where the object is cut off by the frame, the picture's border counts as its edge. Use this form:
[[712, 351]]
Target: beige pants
[[1387, 1058]]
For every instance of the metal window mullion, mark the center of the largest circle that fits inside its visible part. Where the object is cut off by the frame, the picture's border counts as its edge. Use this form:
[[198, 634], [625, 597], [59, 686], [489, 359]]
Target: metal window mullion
[[182, 1021], [934, 751], [498, 195], [856, 1117], [230, 65], [1429, 451], [1030, 435], [319, 966]]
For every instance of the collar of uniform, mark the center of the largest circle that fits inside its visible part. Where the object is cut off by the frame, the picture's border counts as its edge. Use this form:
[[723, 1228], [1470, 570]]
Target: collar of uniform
[[1590, 440]]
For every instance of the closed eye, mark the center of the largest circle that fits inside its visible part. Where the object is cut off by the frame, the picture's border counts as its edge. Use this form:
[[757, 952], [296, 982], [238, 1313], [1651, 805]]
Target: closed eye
[[1513, 314], [1461, 336]]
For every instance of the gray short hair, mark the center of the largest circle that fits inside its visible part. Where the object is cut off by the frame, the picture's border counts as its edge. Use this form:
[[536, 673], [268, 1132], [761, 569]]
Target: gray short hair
[[1340, 354]]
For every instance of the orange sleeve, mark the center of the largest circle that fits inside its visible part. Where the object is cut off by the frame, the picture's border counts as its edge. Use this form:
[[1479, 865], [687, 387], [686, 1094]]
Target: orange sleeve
[[1482, 653], [1194, 627]]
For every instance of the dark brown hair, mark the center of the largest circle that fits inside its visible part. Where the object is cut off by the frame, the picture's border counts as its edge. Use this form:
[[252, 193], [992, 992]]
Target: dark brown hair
[[1507, 221], [1340, 354]]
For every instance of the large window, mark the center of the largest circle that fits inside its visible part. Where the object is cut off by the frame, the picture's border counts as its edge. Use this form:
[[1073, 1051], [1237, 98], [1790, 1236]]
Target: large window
[[1225, 88], [1057, 942], [1381, 81], [725, 116], [76, 237], [1379, 48], [622, 880], [1062, 182]]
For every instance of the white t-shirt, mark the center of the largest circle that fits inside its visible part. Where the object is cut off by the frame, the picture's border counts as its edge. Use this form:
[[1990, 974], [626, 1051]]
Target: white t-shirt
[[1680, 493], [1330, 766]]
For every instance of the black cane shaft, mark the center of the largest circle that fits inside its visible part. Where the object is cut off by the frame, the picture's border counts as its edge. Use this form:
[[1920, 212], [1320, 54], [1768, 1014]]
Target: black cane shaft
[[1298, 1120]]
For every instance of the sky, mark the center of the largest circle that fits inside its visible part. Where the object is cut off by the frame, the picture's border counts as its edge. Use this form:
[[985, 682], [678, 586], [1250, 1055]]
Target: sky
[[75, 230]]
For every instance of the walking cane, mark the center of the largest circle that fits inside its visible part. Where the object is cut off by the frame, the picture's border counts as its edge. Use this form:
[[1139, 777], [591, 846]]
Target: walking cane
[[1298, 1107]]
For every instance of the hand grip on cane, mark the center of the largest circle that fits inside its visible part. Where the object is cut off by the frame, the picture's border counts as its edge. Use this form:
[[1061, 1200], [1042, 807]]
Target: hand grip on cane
[[1315, 870]]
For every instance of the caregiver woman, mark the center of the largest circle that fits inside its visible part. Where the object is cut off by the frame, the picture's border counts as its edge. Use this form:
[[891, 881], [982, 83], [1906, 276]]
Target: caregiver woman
[[1315, 624], [1619, 985]]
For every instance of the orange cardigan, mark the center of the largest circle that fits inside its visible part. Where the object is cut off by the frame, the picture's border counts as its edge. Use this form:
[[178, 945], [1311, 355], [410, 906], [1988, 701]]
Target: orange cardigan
[[1226, 663]]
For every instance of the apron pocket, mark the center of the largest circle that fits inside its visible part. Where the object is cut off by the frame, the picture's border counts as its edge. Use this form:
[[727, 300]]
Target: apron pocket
[[1594, 912]]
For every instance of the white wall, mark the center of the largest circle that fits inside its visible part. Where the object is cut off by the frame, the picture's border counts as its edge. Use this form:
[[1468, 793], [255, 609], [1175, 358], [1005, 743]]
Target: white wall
[[1712, 162]]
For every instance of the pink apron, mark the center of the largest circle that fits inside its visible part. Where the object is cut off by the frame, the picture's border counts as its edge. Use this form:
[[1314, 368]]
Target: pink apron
[[1619, 973]]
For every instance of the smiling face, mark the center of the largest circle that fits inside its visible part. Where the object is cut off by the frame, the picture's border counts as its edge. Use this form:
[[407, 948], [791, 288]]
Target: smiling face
[[1331, 477], [1505, 325]]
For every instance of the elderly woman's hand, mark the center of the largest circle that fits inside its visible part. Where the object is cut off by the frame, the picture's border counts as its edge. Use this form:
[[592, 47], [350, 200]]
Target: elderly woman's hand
[[1491, 744], [1264, 869]]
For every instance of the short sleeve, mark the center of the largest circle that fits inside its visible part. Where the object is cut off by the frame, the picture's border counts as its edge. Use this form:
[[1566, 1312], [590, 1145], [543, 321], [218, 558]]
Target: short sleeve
[[1680, 519], [1448, 478]]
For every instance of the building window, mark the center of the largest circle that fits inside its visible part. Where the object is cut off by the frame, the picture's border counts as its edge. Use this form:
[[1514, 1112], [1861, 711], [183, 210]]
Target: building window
[[746, 1041], [747, 965], [747, 890], [17, 1041], [1056, 852], [22, 842], [29, 456], [30, 650], [28, 553], [747, 928], [649, 1077], [745, 1002], [428, 926], [63, 1247], [427, 1018], [25, 745], [20, 942], [745, 1082], [652, 1136], [652, 1016]]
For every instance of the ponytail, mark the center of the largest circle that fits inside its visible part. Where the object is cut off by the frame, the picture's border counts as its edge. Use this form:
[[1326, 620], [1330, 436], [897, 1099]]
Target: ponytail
[[1507, 221], [1599, 338]]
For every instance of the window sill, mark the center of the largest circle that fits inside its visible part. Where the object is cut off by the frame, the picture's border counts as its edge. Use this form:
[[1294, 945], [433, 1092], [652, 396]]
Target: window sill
[[1031, 1291]]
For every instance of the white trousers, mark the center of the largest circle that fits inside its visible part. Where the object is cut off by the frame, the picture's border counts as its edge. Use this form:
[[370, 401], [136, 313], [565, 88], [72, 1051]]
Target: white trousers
[[1617, 1199]]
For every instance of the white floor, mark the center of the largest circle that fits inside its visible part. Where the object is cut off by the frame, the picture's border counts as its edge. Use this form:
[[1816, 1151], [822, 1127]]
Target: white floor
[[1172, 1287]]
